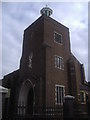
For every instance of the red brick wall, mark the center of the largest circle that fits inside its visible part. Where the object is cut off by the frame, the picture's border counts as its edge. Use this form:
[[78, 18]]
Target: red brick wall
[[54, 75]]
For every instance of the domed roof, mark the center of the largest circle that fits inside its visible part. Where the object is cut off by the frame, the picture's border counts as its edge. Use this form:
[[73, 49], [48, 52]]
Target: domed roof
[[46, 11]]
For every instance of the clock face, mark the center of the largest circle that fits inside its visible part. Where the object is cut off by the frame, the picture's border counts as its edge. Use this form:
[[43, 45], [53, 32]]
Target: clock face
[[30, 60]]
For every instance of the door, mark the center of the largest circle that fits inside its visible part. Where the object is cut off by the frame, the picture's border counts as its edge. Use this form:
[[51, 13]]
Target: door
[[30, 102]]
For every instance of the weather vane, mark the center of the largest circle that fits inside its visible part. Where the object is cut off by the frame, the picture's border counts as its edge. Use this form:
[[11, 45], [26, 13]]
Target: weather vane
[[46, 5]]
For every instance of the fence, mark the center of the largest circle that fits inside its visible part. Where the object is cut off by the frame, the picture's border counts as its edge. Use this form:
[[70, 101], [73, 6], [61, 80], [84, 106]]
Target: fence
[[50, 113]]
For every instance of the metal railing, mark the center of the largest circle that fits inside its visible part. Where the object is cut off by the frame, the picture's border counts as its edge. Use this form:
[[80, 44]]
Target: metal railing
[[46, 113]]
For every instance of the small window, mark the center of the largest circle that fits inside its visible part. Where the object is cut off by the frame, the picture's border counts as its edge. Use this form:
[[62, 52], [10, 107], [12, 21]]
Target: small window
[[45, 12], [58, 38], [30, 60], [59, 62], [82, 97], [59, 94]]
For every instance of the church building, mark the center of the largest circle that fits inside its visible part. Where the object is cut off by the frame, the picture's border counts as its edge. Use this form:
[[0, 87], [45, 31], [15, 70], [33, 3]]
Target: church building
[[48, 70]]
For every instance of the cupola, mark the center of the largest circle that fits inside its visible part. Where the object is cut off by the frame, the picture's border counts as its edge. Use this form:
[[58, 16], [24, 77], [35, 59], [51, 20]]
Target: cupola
[[46, 11]]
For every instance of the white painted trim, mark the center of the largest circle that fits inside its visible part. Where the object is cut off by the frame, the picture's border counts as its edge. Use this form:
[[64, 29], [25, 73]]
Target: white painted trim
[[59, 85], [62, 61], [84, 96], [56, 85]]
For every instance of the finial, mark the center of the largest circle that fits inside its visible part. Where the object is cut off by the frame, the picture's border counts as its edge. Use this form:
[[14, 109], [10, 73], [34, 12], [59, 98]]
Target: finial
[[46, 11], [46, 5]]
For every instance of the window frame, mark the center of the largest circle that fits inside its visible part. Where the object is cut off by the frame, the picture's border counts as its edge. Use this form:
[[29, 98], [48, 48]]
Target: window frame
[[84, 96], [59, 62], [60, 43], [60, 100]]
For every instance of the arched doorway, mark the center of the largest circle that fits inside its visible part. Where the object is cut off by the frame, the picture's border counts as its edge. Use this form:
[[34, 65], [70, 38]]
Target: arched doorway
[[26, 98]]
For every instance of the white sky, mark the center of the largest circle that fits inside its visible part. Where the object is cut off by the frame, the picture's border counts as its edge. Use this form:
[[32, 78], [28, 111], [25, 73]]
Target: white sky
[[16, 16]]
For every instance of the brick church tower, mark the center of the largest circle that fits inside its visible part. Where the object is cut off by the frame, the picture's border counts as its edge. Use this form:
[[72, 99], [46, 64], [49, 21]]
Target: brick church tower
[[43, 67], [48, 70]]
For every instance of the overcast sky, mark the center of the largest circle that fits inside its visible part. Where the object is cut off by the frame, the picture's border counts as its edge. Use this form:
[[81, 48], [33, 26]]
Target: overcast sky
[[17, 16]]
